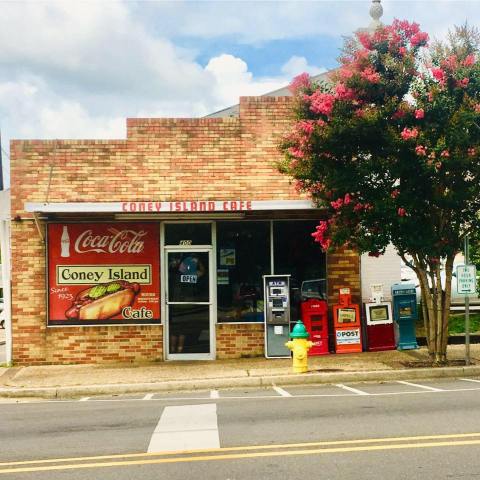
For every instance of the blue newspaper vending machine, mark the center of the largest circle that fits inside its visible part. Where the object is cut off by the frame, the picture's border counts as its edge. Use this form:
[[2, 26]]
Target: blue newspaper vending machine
[[405, 314]]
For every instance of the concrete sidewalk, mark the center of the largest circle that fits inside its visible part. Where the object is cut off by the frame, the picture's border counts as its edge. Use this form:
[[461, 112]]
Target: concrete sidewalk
[[63, 381]]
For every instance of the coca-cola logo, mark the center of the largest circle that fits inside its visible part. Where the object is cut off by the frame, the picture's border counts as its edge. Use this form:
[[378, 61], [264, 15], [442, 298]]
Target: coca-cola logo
[[118, 241]]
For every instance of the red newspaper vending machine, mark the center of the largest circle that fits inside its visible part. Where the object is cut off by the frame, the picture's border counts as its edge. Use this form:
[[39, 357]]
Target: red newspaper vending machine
[[380, 330], [346, 322], [315, 319]]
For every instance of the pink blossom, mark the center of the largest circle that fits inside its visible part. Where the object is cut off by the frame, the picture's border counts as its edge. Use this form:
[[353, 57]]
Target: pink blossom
[[401, 212], [345, 73], [306, 126], [450, 63], [463, 83], [410, 29], [344, 93], [419, 39], [430, 96], [322, 103], [420, 150], [477, 108], [402, 51], [445, 154], [471, 152], [296, 152], [370, 75], [419, 114], [347, 199], [320, 235], [300, 82], [439, 75], [368, 206], [365, 40], [395, 193], [469, 60], [398, 114], [358, 207], [337, 204], [299, 186], [408, 133]]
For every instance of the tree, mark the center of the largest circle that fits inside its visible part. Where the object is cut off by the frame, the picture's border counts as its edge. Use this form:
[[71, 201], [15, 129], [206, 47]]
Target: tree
[[390, 148]]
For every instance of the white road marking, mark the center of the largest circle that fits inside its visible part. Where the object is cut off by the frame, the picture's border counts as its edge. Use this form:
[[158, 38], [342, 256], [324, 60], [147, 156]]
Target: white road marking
[[426, 387], [351, 389], [469, 380], [84, 399], [186, 427], [281, 391], [214, 394], [148, 396]]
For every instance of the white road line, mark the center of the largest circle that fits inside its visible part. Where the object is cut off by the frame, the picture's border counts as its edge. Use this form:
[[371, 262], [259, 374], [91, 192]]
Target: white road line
[[351, 389], [84, 399], [148, 396], [469, 380], [426, 387], [214, 394], [186, 427], [281, 391]]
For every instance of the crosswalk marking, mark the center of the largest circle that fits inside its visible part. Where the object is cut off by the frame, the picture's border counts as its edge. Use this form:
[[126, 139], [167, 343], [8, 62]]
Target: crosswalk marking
[[351, 389], [84, 399], [425, 387], [214, 394], [469, 380], [281, 391], [186, 427], [148, 396]]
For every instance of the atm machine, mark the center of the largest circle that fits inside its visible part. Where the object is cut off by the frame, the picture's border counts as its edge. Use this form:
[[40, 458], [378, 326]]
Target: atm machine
[[277, 315]]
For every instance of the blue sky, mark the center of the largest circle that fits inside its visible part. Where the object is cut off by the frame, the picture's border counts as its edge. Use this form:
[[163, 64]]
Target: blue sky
[[77, 69]]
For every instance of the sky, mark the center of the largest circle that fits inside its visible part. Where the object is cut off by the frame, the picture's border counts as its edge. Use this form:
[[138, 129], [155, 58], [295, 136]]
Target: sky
[[78, 69]]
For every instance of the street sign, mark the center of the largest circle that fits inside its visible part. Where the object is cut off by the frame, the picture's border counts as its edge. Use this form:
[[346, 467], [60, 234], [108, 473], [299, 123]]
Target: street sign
[[466, 279]]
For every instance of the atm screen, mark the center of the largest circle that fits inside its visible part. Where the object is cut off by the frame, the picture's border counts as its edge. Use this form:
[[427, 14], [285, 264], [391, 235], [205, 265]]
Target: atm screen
[[276, 291], [346, 315], [405, 311], [378, 313]]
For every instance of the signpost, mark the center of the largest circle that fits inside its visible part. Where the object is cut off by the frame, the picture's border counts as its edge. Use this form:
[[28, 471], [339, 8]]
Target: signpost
[[466, 284]]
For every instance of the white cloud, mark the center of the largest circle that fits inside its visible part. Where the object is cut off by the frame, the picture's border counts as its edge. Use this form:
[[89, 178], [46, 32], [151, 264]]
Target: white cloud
[[296, 65]]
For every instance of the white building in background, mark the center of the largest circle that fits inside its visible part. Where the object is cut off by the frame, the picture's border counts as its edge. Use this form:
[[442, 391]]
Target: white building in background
[[5, 270]]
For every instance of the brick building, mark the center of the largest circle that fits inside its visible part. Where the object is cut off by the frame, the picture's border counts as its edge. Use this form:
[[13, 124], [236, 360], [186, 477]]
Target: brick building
[[153, 247]]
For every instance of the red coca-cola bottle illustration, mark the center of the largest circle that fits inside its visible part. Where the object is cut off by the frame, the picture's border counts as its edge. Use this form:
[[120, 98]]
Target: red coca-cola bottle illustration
[[65, 243]]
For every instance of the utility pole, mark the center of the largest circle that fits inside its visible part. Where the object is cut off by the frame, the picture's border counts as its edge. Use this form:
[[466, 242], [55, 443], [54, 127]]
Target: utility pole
[[467, 308]]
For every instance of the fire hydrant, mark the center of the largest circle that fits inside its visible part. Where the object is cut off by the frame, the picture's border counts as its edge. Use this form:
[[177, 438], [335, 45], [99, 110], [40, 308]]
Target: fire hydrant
[[300, 346]]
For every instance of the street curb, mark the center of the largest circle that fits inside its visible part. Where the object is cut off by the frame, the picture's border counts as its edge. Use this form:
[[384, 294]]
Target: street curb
[[238, 382]]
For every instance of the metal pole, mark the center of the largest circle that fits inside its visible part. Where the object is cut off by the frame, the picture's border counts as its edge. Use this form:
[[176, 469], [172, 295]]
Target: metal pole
[[467, 310]]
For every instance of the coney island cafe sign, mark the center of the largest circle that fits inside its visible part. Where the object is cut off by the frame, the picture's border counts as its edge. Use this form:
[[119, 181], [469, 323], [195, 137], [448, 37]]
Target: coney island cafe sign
[[183, 206]]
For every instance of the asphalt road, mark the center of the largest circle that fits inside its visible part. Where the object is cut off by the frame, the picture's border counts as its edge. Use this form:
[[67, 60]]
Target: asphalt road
[[398, 430]]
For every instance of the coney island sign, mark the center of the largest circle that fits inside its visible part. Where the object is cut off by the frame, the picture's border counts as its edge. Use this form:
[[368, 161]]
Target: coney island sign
[[103, 273], [183, 206]]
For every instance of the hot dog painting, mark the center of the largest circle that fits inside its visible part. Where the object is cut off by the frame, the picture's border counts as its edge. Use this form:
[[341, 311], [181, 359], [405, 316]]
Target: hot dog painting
[[103, 301], [103, 273]]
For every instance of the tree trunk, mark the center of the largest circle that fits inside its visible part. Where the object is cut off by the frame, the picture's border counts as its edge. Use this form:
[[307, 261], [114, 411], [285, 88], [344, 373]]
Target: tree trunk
[[436, 301]]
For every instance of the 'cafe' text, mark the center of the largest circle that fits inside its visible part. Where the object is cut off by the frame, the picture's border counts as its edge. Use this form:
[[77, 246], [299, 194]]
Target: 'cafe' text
[[189, 206]]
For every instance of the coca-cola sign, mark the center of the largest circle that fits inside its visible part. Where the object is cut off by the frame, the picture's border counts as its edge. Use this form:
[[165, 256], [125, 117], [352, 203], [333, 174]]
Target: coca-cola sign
[[103, 273], [116, 241]]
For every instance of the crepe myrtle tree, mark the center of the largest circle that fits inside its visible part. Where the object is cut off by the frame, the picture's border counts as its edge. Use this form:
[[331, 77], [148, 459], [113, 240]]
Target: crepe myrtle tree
[[390, 147]]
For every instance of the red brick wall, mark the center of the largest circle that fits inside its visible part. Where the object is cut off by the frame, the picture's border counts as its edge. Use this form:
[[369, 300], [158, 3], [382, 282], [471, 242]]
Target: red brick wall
[[161, 159], [240, 340]]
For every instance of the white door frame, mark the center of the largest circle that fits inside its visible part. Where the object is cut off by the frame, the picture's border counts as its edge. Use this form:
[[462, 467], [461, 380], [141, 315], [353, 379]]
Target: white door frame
[[211, 303]]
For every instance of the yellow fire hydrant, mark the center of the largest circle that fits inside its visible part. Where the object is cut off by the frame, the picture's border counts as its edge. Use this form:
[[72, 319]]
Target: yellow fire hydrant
[[300, 346]]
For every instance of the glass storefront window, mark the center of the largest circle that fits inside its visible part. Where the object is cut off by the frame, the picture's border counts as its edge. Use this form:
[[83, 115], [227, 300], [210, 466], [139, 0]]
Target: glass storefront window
[[296, 253], [188, 234], [243, 257]]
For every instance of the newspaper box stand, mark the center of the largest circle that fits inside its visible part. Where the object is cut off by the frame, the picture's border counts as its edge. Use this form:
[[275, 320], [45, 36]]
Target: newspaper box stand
[[346, 323], [405, 314], [315, 319]]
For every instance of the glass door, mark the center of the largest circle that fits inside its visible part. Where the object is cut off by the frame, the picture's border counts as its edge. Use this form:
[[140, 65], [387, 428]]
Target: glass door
[[189, 303]]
